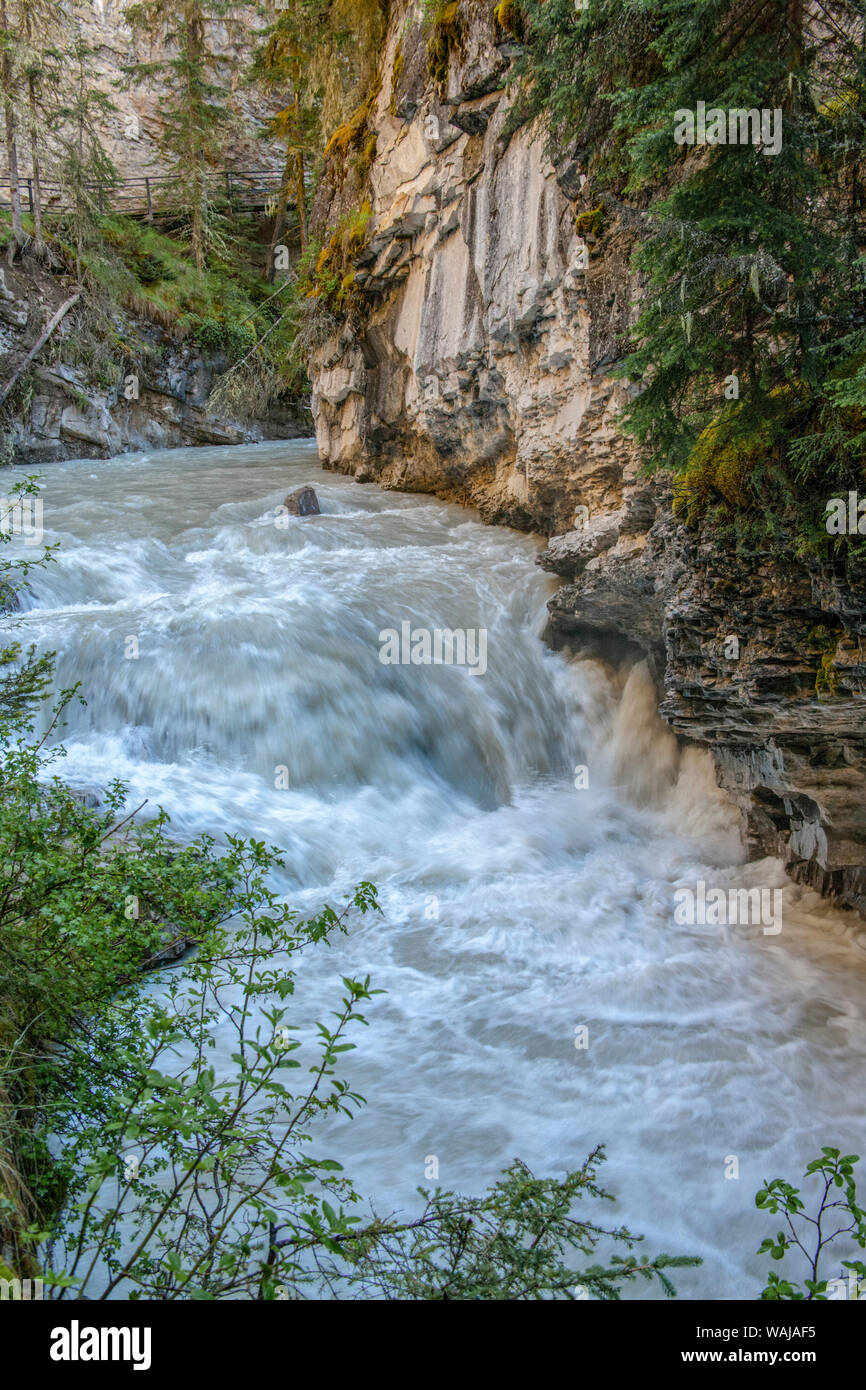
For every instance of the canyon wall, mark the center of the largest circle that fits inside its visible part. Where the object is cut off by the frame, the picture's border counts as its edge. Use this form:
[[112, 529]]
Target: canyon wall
[[488, 307]]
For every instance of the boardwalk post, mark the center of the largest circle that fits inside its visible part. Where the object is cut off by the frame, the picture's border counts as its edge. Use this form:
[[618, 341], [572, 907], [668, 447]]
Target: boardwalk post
[[149, 203], [30, 195]]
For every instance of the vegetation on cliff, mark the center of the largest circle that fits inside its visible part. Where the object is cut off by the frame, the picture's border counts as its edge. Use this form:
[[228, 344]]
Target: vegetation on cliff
[[749, 346], [326, 52], [447, 36]]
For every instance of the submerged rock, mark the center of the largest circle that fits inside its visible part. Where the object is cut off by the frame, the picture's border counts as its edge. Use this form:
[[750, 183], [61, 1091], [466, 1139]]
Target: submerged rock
[[175, 949], [89, 797], [303, 502]]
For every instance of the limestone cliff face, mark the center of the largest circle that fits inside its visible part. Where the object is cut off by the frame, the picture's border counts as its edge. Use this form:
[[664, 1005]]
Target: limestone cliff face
[[481, 370], [477, 368]]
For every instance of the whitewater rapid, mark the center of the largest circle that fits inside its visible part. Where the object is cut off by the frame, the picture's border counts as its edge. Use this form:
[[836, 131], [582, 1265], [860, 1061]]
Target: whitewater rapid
[[519, 905]]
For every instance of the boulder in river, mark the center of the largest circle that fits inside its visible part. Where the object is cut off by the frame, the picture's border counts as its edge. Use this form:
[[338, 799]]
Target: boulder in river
[[303, 502]]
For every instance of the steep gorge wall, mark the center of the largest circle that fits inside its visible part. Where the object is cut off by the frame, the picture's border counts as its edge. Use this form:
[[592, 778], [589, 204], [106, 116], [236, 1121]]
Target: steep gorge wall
[[476, 366], [481, 370]]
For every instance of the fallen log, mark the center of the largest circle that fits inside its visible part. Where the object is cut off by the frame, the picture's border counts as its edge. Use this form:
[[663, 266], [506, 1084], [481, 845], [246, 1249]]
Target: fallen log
[[40, 342]]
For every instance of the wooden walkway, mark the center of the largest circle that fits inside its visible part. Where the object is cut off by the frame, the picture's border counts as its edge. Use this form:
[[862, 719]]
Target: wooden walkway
[[154, 196]]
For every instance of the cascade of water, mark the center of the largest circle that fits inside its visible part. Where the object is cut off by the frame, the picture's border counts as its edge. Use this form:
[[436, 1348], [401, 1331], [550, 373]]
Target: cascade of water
[[527, 828]]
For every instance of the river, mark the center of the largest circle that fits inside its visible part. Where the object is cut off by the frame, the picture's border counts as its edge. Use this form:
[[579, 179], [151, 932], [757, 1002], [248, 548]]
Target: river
[[519, 904]]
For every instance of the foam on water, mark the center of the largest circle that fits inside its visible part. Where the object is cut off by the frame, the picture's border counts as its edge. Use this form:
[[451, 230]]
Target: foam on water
[[516, 906]]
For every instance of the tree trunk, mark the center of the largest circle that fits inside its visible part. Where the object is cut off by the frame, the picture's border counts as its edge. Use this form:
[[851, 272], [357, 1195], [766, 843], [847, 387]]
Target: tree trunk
[[34, 161], [199, 221], [300, 190], [41, 341], [293, 171], [11, 145], [302, 197], [279, 215], [194, 57], [796, 51]]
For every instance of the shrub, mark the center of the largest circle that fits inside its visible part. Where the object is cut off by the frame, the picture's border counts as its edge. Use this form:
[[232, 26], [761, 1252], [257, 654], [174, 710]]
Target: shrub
[[837, 1216], [511, 19], [332, 280]]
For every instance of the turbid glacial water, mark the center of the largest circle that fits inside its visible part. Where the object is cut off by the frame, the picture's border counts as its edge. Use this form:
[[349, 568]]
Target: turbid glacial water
[[518, 907]]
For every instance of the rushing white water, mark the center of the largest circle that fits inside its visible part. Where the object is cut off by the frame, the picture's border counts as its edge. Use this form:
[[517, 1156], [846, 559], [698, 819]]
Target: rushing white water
[[517, 906]]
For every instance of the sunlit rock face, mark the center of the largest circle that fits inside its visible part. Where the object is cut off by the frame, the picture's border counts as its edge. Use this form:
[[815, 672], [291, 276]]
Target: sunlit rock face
[[480, 373], [478, 368]]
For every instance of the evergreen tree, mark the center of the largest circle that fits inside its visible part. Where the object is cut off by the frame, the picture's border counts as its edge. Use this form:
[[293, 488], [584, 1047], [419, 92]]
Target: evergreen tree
[[749, 335], [44, 27], [33, 74], [284, 62], [196, 116], [86, 173], [325, 54]]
